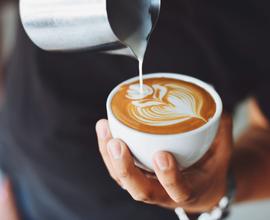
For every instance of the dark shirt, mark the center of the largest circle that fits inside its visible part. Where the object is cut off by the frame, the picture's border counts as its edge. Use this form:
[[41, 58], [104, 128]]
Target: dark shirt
[[53, 100]]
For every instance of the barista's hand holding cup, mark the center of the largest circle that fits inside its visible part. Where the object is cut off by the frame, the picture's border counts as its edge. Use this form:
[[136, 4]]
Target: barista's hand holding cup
[[175, 120], [175, 113]]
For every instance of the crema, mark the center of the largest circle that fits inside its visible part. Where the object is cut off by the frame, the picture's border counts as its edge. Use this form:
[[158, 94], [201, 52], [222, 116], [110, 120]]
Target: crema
[[166, 106]]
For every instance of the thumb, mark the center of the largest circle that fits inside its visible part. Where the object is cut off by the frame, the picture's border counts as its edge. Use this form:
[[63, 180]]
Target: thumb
[[170, 177], [7, 203]]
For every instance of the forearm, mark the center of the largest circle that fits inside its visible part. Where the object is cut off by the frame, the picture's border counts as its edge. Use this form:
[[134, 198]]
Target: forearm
[[251, 164]]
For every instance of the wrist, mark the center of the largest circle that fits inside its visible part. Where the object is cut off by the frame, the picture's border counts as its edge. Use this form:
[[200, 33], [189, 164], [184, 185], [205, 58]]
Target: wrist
[[220, 209], [218, 192]]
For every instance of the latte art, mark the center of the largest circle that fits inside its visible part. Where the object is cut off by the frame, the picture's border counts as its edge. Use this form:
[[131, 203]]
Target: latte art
[[165, 106]]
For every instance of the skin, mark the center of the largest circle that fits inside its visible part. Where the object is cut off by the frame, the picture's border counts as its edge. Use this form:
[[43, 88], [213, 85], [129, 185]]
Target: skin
[[7, 204], [251, 158], [200, 187]]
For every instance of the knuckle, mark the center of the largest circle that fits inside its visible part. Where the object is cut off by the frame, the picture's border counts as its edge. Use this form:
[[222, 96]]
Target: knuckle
[[146, 197], [181, 198], [124, 174], [184, 198], [125, 171], [170, 184], [118, 182], [113, 177], [116, 179], [102, 150]]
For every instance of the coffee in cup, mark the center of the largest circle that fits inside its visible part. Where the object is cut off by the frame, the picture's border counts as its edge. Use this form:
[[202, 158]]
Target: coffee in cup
[[166, 106]]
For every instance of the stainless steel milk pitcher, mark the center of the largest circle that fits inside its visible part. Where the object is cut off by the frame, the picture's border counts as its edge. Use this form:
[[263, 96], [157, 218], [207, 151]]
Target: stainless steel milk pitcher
[[102, 25]]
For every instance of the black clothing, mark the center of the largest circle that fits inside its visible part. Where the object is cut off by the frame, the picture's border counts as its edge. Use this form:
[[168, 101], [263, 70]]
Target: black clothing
[[53, 100]]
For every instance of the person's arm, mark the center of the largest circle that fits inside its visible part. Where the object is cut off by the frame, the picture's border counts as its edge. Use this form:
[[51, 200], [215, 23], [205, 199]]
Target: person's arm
[[7, 203], [199, 188], [251, 158]]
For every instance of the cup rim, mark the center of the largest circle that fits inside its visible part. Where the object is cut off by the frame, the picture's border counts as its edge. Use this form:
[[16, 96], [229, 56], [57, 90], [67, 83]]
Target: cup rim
[[209, 88]]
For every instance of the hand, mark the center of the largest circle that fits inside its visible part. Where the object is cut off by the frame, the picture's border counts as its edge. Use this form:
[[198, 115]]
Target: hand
[[7, 204], [196, 189]]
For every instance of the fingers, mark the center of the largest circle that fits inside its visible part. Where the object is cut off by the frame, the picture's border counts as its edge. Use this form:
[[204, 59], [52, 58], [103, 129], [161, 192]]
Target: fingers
[[7, 204], [168, 174], [133, 179], [104, 136], [121, 167]]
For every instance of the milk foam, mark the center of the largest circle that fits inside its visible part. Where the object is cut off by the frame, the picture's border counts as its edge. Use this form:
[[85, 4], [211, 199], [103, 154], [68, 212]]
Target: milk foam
[[163, 104]]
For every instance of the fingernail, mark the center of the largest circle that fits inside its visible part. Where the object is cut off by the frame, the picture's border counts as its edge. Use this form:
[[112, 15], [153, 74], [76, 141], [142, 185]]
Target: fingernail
[[115, 149], [3, 192], [162, 162]]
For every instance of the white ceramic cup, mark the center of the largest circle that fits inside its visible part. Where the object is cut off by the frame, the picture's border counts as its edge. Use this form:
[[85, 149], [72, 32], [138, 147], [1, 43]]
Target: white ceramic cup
[[187, 147]]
